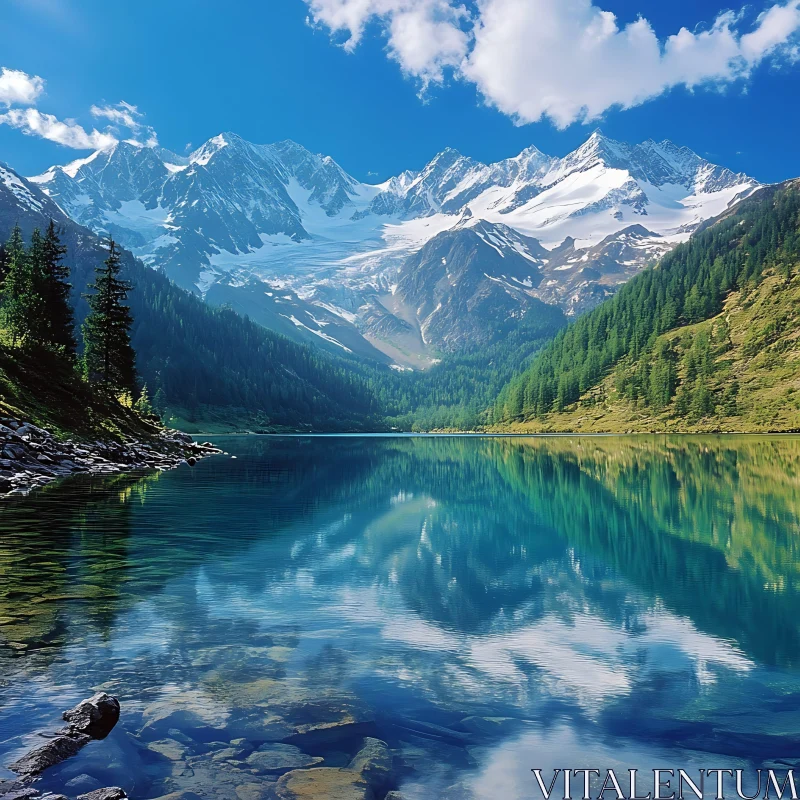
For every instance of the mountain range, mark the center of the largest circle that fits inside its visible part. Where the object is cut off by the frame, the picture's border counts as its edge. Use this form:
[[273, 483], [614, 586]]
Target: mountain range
[[429, 262]]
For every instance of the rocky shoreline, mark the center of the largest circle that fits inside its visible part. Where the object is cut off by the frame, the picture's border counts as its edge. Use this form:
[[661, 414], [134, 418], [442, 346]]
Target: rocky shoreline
[[272, 770], [31, 457]]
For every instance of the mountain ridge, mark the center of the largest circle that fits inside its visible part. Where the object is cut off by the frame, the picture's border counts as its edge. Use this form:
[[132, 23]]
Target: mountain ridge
[[237, 212]]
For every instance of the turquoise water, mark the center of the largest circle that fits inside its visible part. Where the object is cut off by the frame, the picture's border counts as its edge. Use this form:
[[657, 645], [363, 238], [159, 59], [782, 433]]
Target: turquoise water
[[483, 605]]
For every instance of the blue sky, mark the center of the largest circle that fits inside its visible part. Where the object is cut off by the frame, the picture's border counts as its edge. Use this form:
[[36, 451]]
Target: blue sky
[[195, 68]]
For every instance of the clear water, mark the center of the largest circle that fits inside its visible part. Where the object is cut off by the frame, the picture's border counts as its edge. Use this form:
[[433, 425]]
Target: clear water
[[485, 606]]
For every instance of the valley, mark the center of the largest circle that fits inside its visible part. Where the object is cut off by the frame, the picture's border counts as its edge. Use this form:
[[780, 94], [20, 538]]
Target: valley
[[428, 296]]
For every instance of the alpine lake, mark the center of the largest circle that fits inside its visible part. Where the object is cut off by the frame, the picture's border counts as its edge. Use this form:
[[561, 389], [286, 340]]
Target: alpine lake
[[483, 605]]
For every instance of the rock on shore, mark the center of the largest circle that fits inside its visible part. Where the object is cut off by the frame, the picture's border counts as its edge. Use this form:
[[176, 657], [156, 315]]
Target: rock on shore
[[31, 456]]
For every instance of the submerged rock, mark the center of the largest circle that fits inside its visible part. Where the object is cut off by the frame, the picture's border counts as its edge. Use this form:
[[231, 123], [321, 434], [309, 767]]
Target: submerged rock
[[169, 748], [16, 791], [253, 791], [92, 718], [83, 783], [188, 711], [95, 717], [109, 793], [332, 784], [52, 752], [491, 726], [374, 762], [279, 758], [180, 796]]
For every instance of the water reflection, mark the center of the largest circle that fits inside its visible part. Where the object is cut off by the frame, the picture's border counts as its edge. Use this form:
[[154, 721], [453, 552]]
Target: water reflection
[[474, 602]]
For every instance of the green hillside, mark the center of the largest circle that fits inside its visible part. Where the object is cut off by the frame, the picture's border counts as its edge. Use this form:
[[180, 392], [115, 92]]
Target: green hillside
[[707, 340]]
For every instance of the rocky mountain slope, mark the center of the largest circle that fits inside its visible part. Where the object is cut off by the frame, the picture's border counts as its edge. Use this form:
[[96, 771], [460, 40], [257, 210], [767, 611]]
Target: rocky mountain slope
[[235, 215], [206, 362]]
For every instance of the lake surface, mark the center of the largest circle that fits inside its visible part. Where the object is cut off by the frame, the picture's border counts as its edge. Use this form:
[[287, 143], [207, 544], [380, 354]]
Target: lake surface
[[483, 605]]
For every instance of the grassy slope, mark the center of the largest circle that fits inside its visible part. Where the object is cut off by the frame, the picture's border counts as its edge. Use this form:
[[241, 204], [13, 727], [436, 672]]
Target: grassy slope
[[769, 380], [54, 398]]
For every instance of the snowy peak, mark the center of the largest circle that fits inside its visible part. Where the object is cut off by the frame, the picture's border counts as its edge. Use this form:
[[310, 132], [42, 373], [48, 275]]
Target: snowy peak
[[654, 163], [431, 258], [16, 191], [207, 151], [330, 186], [602, 176]]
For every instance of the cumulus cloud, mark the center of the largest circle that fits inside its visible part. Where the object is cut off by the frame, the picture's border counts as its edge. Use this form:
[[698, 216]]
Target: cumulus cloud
[[126, 115], [567, 60], [424, 36], [19, 88], [69, 133]]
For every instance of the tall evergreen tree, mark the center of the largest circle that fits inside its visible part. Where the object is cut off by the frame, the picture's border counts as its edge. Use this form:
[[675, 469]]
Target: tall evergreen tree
[[59, 325], [4, 263], [108, 355], [20, 296]]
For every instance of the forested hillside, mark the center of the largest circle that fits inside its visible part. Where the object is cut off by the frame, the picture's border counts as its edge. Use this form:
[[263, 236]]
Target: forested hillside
[[202, 364], [456, 394], [706, 340]]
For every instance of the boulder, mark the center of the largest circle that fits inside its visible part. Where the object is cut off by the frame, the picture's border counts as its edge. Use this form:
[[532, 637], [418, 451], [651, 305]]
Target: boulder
[[327, 782], [52, 752], [95, 716], [374, 762]]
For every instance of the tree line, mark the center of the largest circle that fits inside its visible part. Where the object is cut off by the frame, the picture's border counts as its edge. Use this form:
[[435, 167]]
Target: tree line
[[688, 286], [37, 313]]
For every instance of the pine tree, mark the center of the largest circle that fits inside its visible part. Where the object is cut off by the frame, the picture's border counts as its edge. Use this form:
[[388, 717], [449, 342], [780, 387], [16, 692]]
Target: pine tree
[[34, 311], [143, 406], [4, 265], [160, 401], [108, 355], [59, 325], [20, 298]]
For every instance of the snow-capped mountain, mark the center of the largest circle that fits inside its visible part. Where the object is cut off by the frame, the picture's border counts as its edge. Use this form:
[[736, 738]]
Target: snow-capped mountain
[[233, 216]]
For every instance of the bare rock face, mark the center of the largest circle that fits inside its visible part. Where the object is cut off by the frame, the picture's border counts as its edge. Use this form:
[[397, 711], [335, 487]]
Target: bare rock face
[[52, 752], [95, 716]]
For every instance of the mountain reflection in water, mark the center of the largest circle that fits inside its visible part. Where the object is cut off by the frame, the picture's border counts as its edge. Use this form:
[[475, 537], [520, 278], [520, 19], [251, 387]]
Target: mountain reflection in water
[[484, 605]]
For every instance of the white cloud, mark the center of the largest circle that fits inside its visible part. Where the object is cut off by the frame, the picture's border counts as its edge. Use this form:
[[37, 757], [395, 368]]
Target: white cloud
[[65, 132], [19, 88], [122, 114], [128, 116], [567, 60], [424, 36]]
